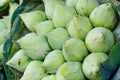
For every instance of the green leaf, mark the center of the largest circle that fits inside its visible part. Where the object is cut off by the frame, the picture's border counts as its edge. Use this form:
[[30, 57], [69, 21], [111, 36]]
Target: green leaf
[[19, 10], [24, 6], [112, 63]]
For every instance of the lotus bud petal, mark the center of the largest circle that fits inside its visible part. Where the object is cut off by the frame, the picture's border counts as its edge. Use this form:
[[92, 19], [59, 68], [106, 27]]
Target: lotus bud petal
[[85, 7], [71, 3], [61, 20], [76, 53], [79, 26], [44, 27], [99, 39], [70, 71], [108, 18], [55, 57], [50, 77], [57, 37], [7, 21], [35, 45], [91, 65], [19, 61], [50, 7], [32, 18], [1, 52], [34, 71], [4, 35], [2, 25]]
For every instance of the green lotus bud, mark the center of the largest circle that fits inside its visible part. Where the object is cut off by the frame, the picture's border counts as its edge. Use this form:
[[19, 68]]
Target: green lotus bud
[[108, 18], [55, 57], [35, 45], [2, 25], [62, 15], [85, 7], [33, 18], [99, 39], [44, 27], [57, 37], [1, 51], [7, 21], [50, 77], [79, 26], [76, 53], [3, 4], [4, 35], [50, 7], [34, 71], [70, 71], [19, 61], [71, 3], [91, 65]]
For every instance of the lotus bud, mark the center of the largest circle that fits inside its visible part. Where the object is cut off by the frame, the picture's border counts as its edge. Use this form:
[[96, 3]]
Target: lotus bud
[[55, 57], [76, 53], [99, 39], [35, 45], [32, 18], [34, 71], [70, 71], [1, 52], [61, 20], [91, 65], [108, 18], [50, 77], [44, 27], [79, 26], [50, 7], [19, 61], [7, 21], [2, 25], [71, 3], [57, 37], [85, 7], [3, 35], [3, 4]]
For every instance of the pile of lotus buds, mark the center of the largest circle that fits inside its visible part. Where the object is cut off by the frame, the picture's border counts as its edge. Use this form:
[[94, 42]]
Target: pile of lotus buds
[[67, 41]]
